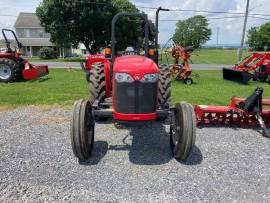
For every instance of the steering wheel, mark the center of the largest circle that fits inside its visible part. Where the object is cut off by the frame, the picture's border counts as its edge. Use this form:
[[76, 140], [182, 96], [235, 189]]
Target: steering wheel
[[129, 51]]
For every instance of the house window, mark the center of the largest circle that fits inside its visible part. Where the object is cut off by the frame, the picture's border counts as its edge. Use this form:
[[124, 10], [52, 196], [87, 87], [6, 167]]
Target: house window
[[41, 34], [32, 33], [26, 33]]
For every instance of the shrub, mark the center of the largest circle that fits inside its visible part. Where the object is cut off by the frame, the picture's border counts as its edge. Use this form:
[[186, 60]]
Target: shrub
[[47, 53]]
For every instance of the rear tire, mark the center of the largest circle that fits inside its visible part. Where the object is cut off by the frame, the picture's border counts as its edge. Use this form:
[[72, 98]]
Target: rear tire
[[9, 70], [183, 131], [97, 83], [82, 130], [164, 88]]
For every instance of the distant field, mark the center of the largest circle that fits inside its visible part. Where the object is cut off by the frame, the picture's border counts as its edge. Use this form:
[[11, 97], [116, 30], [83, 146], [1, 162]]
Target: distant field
[[209, 56], [201, 56], [63, 88]]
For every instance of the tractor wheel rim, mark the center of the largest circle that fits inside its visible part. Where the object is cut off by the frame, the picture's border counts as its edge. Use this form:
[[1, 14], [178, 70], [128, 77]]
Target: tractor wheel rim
[[176, 135], [5, 72], [176, 131], [188, 82], [89, 129]]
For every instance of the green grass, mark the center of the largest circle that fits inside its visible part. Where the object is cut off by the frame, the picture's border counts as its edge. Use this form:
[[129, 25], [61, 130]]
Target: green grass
[[210, 88], [59, 87], [62, 88], [209, 56]]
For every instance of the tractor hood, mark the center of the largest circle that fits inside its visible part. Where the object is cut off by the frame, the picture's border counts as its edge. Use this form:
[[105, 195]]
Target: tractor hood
[[135, 65]]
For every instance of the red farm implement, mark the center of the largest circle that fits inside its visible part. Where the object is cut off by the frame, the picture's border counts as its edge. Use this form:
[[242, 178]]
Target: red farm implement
[[243, 112], [13, 67], [182, 71], [255, 66]]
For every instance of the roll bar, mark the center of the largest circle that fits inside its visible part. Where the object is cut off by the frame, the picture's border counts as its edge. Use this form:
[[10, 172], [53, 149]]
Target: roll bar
[[6, 39], [156, 36], [146, 30]]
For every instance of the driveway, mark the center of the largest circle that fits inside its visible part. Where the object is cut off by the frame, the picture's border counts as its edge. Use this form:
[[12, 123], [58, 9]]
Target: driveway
[[129, 163]]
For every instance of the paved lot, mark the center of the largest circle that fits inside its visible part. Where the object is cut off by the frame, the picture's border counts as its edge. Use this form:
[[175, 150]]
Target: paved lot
[[77, 65], [37, 164]]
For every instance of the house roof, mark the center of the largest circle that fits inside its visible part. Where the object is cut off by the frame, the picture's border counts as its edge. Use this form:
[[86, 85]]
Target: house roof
[[34, 42], [27, 20]]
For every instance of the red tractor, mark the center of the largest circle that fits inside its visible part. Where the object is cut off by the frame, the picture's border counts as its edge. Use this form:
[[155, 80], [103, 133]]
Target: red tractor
[[131, 88], [256, 66], [13, 67]]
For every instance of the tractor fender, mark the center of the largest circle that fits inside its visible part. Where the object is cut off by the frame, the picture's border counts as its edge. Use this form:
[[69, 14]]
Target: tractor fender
[[107, 65], [94, 58], [99, 58]]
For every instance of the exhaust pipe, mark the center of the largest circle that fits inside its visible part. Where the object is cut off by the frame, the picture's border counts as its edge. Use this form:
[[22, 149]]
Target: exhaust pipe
[[238, 76]]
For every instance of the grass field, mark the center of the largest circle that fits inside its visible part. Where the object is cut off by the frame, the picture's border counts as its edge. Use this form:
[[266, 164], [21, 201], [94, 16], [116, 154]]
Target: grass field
[[63, 88], [200, 56]]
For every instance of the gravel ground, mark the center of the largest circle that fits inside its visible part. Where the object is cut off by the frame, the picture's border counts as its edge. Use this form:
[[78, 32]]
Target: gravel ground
[[37, 164]]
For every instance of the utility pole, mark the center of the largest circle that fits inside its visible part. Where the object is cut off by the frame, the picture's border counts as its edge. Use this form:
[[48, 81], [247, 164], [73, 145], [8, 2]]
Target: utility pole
[[243, 33], [217, 36]]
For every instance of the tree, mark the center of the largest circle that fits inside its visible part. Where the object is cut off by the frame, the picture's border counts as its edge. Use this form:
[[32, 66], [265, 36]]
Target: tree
[[192, 31], [259, 37], [71, 22], [254, 40]]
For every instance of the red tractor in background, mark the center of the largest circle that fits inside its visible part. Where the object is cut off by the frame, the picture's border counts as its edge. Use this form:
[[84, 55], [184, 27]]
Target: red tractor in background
[[255, 66], [131, 88], [13, 67]]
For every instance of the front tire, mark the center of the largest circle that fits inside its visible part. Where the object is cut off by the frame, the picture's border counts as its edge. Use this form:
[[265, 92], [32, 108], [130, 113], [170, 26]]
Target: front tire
[[9, 70], [183, 131], [82, 130]]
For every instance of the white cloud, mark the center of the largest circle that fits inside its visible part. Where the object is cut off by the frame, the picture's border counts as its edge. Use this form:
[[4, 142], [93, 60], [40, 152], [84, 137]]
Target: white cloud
[[229, 29], [10, 10]]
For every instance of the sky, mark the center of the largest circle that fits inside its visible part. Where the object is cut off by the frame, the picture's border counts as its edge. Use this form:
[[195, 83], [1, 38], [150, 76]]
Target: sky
[[227, 30]]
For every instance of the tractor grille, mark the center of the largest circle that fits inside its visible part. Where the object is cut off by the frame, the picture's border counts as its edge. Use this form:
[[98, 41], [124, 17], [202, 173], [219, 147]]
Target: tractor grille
[[136, 97]]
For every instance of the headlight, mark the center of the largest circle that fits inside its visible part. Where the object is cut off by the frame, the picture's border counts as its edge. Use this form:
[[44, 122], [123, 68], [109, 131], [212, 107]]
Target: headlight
[[150, 77], [123, 77]]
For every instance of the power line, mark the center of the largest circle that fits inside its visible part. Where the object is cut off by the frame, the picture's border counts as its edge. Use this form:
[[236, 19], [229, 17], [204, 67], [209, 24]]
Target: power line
[[206, 11], [174, 9], [217, 18]]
